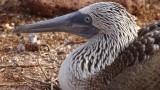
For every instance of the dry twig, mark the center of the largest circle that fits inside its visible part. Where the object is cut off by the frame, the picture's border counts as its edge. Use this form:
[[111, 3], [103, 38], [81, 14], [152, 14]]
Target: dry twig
[[22, 66]]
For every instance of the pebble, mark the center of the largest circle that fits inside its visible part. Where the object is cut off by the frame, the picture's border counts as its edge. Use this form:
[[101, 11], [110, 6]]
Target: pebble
[[7, 26], [33, 38], [18, 16], [12, 24], [20, 47], [2, 36], [69, 47]]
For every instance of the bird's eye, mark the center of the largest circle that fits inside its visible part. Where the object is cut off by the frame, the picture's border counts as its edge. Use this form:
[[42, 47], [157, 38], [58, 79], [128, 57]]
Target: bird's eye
[[87, 20]]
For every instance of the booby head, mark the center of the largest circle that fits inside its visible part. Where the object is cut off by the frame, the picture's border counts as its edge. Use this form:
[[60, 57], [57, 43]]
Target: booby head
[[109, 28], [86, 22]]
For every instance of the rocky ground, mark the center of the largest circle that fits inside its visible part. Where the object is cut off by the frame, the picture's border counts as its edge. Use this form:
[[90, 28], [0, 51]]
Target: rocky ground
[[35, 66]]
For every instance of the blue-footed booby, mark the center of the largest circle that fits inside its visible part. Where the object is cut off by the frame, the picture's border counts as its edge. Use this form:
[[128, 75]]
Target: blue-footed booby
[[114, 44]]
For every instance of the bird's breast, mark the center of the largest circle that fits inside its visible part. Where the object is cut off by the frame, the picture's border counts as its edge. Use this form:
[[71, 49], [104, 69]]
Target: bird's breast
[[84, 65], [68, 73]]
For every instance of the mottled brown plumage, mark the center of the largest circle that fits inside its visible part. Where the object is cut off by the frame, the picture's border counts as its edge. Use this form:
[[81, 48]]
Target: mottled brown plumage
[[141, 70], [142, 76], [146, 74]]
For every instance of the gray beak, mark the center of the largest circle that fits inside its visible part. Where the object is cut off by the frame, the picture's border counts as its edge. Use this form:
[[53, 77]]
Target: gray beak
[[75, 23]]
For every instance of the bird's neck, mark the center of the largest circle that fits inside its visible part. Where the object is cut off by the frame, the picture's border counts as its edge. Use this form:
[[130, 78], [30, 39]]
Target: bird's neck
[[99, 52]]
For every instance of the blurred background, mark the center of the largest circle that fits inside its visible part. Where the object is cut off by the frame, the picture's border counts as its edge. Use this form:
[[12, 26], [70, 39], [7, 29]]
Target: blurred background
[[34, 66]]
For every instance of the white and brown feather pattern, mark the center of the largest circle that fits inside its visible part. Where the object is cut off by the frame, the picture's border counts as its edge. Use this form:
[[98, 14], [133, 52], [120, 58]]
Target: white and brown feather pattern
[[146, 75], [93, 65], [147, 44]]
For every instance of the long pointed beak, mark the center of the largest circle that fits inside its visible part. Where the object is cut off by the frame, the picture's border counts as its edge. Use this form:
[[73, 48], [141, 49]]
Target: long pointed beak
[[70, 23]]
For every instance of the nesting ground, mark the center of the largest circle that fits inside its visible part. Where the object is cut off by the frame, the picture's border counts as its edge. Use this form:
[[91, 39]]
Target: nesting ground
[[37, 66]]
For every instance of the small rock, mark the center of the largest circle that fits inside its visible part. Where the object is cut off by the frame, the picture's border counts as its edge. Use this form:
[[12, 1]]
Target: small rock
[[2, 36], [60, 53], [12, 24], [20, 47], [8, 26], [33, 38], [69, 47], [31, 47], [18, 16]]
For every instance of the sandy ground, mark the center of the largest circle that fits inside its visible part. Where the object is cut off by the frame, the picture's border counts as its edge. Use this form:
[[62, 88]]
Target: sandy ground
[[36, 67]]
